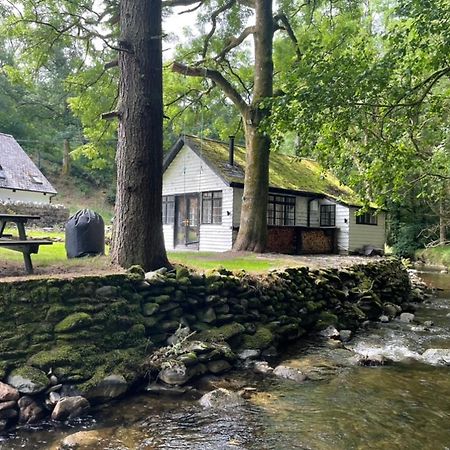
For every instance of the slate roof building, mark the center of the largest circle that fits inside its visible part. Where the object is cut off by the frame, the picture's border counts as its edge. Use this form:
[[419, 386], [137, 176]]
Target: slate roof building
[[20, 179], [309, 210]]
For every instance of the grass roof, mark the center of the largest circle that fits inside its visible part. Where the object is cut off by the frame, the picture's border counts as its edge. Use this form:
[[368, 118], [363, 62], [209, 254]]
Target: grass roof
[[285, 172]]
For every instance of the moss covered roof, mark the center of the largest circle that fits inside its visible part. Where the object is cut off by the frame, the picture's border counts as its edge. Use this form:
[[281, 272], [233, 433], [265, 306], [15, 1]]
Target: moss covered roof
[[285, 172]]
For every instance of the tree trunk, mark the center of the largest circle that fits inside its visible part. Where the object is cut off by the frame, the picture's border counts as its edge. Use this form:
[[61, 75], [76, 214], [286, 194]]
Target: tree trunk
[[138, 234], [252, 234], [65, 170]]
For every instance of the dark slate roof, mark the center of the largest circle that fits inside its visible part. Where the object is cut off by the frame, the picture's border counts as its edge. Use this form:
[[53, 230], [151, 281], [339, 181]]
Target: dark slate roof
[[286, 173], [18, 171]]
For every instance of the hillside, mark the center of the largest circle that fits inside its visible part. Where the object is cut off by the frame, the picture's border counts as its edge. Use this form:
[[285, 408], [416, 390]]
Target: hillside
[[77, 195]]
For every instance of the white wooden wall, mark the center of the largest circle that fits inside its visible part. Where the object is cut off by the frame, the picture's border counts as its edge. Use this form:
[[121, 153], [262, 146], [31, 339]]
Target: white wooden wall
[[361, 235], [342, 223], [188, 174], [8, 195]]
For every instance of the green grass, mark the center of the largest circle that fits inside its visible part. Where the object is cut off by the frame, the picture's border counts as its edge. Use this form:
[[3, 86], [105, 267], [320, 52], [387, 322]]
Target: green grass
[[50, 255], [211, 260], [55, 256], [436, 255]]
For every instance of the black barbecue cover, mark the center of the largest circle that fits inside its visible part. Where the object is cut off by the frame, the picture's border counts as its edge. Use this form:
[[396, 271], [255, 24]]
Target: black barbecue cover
[[85, 234]]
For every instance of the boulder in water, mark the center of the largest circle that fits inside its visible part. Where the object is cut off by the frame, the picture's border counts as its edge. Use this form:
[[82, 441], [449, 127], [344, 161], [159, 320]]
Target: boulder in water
[[108, 388], [262, 367], [289, 373], [29, 410], [8, 393], [406, 317], [221, 398], [345, 335], [83, 440], [372, 360], [330, 332], [437, 356], [70, 407]]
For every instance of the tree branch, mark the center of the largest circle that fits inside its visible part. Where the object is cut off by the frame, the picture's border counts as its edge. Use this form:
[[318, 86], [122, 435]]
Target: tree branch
[[281, 17], [214, 16], [235, 42], [218, 78]]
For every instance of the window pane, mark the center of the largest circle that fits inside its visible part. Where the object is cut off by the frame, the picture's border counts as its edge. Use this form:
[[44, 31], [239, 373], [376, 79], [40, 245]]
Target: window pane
[[212, 207], [327, 215], [281, 210]]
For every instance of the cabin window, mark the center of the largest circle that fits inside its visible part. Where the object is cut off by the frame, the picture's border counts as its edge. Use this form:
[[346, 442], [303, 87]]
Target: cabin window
[[327, 215], [2, 173], [168, 209], [281, 210], [212, 207], [367, 219]]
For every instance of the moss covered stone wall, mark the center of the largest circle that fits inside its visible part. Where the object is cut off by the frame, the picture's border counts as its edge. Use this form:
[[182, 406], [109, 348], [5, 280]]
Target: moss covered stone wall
[[78, 331]]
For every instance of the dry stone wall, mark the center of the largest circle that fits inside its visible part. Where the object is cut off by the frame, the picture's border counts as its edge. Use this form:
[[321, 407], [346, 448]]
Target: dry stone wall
[[90, 336], [50, 214]]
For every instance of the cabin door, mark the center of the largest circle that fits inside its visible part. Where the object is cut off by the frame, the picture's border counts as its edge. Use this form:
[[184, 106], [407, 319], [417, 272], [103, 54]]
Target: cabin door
[[187, 227]]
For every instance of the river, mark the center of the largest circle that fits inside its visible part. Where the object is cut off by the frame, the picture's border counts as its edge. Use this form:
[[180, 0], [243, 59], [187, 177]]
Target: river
[[403, 405]]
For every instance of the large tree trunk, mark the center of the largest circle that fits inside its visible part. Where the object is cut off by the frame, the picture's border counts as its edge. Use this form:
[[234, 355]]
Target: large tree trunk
[[252, 234], [138, 234]]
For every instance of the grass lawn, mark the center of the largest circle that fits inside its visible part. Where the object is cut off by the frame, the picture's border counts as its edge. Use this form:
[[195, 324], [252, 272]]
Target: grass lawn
[[52, 259], [211, 260], [436, 255]]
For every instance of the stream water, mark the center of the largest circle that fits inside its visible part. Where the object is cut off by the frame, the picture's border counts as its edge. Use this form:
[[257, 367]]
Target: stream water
[[403, 405]]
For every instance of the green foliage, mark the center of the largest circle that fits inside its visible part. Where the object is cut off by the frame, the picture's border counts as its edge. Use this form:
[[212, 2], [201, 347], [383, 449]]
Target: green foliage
[[436, 255], [369, 100]]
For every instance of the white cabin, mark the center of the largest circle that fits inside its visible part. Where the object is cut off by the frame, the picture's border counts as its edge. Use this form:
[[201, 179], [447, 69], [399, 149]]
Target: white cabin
[[309, 211], [20, 179]]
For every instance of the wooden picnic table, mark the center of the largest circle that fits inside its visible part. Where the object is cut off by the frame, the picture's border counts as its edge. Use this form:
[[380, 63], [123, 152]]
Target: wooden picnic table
[[22, 243]]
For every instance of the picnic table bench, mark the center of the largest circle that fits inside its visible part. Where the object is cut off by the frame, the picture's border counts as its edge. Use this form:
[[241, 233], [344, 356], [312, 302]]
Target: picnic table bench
[[20, 244]]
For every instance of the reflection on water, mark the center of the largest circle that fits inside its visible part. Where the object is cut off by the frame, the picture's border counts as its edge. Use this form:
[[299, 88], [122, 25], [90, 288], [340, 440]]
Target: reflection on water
[[405, 405]]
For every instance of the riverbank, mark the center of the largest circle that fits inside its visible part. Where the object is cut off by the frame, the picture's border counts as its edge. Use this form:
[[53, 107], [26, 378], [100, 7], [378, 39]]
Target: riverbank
[[438, 257], [72, 343]]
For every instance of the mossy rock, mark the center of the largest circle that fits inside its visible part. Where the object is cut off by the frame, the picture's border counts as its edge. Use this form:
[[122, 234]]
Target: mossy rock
[[326, 319], [150, 308], [28, 380], [262, 339], [223, 333], [73, 322], [56, 313], [182, 272], [64, 355]]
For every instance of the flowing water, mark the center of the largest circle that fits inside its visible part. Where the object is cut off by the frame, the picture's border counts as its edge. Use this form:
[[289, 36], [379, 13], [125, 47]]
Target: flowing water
[[403, 405]]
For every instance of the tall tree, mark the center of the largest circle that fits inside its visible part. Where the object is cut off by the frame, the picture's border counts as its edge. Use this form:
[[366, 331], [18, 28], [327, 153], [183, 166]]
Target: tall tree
[[138, 237], [213, 64]]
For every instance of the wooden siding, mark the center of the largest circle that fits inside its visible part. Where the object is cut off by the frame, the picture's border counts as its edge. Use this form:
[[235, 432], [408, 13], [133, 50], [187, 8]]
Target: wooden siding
[[218, 238], [168, 231], [361, 235], [187, 173], [342, 223]]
